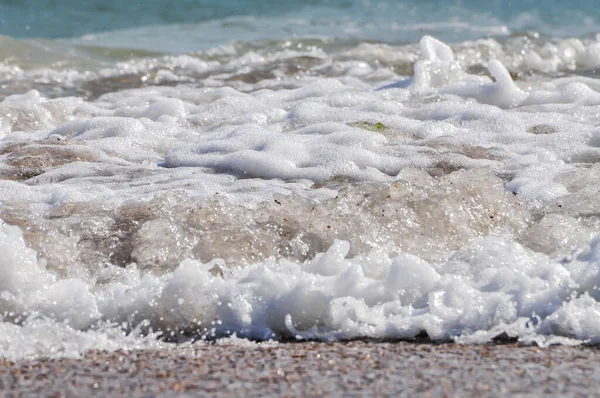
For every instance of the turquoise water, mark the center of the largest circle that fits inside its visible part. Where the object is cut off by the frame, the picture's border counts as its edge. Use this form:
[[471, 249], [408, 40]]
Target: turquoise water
[[188, 25]]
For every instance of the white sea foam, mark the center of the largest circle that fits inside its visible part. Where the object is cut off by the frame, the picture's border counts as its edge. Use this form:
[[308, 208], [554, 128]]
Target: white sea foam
[[493, 286], [304, 194]]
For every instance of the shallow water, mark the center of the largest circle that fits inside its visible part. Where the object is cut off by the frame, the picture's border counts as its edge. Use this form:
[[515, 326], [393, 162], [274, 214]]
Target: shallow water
[[318, 184]]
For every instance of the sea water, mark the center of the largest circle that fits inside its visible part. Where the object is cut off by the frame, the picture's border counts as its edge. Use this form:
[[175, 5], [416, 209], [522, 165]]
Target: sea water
[[329, 170]]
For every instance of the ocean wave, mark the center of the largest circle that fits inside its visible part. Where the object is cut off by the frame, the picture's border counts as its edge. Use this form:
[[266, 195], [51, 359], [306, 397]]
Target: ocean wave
[[297, 191]]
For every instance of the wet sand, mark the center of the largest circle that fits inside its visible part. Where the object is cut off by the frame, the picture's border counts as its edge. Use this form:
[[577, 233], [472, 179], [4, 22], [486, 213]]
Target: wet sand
[[314, 369]]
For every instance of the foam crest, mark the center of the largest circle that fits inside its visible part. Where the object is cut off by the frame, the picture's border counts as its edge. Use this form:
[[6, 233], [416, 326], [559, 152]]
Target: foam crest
[[436, 65], [489, 287]]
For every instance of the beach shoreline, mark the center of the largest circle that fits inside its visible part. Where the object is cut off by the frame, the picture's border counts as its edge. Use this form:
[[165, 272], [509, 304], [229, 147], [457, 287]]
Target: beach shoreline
[[355, 368]]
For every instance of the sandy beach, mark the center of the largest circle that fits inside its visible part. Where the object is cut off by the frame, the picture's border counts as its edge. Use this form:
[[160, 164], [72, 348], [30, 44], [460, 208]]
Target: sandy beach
[[314, 369]]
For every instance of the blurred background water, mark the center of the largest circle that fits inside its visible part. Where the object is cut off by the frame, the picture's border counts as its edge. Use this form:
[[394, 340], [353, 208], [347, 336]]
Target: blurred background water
[[190, 25]]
